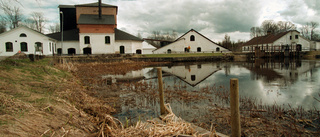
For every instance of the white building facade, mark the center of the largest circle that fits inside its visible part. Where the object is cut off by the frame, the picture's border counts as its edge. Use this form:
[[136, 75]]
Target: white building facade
[[191, 42], [26, 40], [277, 42]]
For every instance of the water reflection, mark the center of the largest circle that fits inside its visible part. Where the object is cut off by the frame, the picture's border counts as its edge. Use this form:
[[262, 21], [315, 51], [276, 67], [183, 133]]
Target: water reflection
[[283, 82]]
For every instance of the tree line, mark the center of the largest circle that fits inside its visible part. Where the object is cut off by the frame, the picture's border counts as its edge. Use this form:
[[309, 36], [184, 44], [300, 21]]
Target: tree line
[[269, 26], [13, 17]]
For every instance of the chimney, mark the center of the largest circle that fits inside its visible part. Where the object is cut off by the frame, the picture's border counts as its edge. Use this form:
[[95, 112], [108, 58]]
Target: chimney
[[100, 16], [268, 32]]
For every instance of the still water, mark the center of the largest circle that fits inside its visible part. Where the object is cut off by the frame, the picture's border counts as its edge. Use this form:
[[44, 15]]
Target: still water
[[293, 83]]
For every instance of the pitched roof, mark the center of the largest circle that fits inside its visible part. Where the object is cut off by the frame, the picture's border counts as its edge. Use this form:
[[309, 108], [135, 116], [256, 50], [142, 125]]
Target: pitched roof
[[200, 35], [24, 27], [270, 38], [94, 19], [69, 35], [95, 4], [121, 35]]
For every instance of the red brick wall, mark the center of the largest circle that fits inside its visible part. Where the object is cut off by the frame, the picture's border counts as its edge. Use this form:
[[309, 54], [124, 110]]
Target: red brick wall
[[96, 28]]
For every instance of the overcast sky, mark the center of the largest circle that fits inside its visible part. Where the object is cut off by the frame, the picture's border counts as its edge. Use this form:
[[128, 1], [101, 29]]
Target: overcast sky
[[212, 18]]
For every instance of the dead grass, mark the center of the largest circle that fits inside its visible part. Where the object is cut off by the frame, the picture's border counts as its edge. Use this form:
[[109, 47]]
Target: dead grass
[[39, 100]]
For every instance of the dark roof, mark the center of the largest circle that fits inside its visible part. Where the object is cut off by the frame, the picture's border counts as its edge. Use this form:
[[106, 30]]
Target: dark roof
[[121, 35], [270, 38], [66, 6], [69, 35], [96, 4], [94, 19]]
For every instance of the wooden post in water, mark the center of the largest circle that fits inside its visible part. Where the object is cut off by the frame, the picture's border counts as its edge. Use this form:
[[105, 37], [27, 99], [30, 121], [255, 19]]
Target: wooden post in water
[[162, 107], [234, 106]]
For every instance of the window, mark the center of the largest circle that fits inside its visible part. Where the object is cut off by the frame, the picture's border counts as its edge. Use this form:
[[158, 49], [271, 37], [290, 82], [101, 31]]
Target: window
[[290, 37], [86, 40], [193, 77], [192, 38], [169, 51], [138, 51], [218, 49], [23, 35], [50, 46], [198, 49], [297, 36], [9, 47], [23, 46], [107, 39], [38, 46]]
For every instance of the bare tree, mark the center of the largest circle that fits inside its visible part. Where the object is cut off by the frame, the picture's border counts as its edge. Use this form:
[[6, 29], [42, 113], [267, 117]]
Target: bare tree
[[38, 21], [54, 28], [284, 26], [3, 25], [13, 14], [308, 30], [269, 26], [313, 26], [255, 32]]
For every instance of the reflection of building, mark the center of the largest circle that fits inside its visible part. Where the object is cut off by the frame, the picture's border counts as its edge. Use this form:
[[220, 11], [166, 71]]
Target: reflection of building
[[288, 70], [192, 74], [191, 41], [136, 75]]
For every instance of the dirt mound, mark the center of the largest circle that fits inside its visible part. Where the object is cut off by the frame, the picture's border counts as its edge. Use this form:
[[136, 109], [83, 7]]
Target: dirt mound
[[20, 55]]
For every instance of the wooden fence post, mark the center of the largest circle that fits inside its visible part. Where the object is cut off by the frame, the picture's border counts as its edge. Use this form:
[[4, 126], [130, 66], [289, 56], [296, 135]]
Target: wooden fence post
[[234, 106], [162, 107]]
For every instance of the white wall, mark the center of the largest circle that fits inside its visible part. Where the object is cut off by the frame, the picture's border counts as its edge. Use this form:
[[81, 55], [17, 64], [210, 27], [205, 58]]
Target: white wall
[[97, 43], [200, 41], [32, 37], [317, 45], [130, 46], [69, 44]]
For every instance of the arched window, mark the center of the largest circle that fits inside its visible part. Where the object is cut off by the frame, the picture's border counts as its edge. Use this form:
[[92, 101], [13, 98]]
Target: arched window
[[107, 39], [199, 49], [217, 49], [23, 35], [192, 38], [24, 47], [38, 46], [169, 51], [87, 51], [9, 47], [71, 51], [86, 40], [138, 51]]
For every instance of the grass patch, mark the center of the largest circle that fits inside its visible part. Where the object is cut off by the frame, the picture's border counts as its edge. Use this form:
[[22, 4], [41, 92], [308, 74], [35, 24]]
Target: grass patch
[[182, 55], [3, 122]]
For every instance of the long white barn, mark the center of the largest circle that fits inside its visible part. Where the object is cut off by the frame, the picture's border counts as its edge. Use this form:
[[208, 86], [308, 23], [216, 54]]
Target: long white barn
[[192, 42]]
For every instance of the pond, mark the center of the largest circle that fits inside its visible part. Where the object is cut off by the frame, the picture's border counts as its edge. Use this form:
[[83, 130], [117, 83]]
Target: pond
[[286, 83]]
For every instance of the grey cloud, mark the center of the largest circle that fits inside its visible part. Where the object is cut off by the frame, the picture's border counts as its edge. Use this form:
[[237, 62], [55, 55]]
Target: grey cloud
[[181, 16]]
